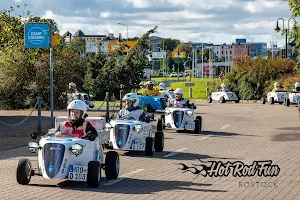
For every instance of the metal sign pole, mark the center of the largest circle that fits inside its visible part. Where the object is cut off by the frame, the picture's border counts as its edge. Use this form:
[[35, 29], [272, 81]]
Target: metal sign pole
[[51, 87]]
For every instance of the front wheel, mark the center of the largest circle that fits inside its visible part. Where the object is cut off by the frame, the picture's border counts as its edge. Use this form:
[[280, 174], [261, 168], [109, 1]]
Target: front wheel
[[112, 165], [197, 127], [222, 100], [209, 99], [24, 171], [200, 122], [159, 141], [94, 174], [263, 100], [160, 124], [272, 100], [149, 149]]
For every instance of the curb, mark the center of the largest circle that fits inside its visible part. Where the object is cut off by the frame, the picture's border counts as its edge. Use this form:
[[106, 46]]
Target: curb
[[241, 101]]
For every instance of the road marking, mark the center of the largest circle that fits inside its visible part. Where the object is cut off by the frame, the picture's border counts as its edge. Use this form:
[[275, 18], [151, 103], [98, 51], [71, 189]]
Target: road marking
[[204, 138], [226, 126], [174, 153], [122, 177]]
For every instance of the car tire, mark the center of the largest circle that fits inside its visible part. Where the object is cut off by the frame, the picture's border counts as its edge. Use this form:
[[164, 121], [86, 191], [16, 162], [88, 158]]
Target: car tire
[[24, 171], [280, 103], [112, 165], [209, 100], [272, 100], [160, 124], [200, 122], [163, 118], [263, 100], [288, 102], [197, 127], [222, 100], [159, 141], [149, 148], [94, 174]]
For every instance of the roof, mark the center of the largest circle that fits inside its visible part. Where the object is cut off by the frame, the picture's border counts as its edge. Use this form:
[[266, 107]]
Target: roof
[[79, 33], [67, 34]]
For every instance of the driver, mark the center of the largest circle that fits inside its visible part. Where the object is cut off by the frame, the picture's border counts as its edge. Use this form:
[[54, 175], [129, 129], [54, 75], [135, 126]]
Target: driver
[[76, 123], [277, 87], [297, 87], [132, 108], [178, 101], [150, 91], [223, 88], [162, 86]]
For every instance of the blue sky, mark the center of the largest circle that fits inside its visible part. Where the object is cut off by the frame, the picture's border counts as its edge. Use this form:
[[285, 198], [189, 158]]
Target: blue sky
[[220, 21]]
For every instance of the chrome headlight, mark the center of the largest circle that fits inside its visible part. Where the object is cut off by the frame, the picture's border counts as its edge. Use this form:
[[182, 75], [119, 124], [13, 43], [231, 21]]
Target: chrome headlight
[[76, 149], [167, 112], [138, 128], [33, 147], [190, 113]]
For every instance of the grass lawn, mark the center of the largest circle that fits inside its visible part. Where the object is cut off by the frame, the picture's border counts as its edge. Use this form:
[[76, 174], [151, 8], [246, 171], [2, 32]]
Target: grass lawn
[[199, 88]]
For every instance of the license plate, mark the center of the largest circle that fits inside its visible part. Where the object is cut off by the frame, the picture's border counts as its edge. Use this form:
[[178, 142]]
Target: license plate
[[138, 145], [190, 126], [77, 173]]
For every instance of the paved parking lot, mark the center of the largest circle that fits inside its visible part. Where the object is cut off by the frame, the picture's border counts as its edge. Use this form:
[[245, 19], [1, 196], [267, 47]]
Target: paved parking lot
[[231, 132]]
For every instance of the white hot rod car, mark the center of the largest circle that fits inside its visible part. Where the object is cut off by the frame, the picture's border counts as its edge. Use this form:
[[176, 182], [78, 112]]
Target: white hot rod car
[[223, 97], [132, 135], [180, 118], [293, 98], [69, 157], [275, 97]]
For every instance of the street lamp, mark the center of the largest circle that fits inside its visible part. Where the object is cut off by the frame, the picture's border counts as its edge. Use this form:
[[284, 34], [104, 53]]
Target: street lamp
[[277, 29], [127, 35]]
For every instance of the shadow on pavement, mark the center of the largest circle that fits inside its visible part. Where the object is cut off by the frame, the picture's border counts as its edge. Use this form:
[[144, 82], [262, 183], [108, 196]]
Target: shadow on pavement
[[171, 155], [289, 128], [286, 137], [135, 186], [215, 134]]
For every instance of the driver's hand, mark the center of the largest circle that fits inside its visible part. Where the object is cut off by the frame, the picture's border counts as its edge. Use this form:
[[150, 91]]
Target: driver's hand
[[58, 134]]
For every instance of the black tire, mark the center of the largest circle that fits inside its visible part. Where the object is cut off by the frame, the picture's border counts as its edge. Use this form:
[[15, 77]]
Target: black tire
[[280, 103], [149, 146], [200, 122], [160, 125], [222, 100], [163, 118], [94, 174], [148, 108], [24, 171], [112, 165], [197, 127], [272, 100], [263, 100], [288, 102], [209, 100], [107, 146], [159, 141], [237, 101]]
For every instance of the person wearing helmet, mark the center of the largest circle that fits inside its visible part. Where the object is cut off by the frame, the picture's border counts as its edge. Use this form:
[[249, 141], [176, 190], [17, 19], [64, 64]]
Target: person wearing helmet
[[277, 87], [178, 101], [150, 91], [297, 87], [162, 86], [132, 108], [223, 88], [76, 125]]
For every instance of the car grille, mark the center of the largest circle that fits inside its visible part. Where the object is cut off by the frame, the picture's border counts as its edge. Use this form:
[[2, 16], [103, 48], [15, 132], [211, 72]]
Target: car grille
[[121, 134], [178, 117], [53, 157]]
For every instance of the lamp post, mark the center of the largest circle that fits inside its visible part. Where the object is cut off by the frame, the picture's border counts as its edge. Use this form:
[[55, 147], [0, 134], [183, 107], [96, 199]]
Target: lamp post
[[127, 36], [277, 29]]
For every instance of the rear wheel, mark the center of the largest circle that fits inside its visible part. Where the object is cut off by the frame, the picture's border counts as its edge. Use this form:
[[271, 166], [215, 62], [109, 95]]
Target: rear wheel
[[209, 99], [24, 171], [163, 118], [288, 102], [272, 100], [263, 100], [112, 165], [94, 174], [149, 149], [222, 100]]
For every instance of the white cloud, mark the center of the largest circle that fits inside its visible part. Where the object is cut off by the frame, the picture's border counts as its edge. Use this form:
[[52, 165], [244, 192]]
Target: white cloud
[[261, 6], [18, 1], [140, 3], [105, 14]]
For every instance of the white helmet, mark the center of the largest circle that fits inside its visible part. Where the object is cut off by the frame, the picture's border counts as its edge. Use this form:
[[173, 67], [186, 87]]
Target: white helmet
[[179, 91], [132, 97], [223, 85], [297, 85], [78, 105], [150, 83], [277, 84]]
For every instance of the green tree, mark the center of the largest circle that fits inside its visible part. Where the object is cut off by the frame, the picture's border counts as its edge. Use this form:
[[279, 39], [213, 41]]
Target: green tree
[[184, 47], [88, 80]]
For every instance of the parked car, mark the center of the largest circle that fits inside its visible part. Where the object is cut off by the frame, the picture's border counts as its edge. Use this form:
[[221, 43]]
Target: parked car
[[173, 74]]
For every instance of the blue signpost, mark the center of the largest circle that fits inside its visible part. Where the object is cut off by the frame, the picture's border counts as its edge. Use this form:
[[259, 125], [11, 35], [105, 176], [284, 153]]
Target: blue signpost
[[39, 35]]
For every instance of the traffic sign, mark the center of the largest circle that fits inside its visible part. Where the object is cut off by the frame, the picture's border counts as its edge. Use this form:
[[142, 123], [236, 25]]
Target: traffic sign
[[38, 35]]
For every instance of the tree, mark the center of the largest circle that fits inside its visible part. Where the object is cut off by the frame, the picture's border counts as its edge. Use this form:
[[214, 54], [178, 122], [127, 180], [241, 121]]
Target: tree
[[50, 21], [184, 47], [171, 44], [88, 80]]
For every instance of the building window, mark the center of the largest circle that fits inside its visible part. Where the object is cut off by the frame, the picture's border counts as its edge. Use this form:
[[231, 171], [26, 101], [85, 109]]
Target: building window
[[222, 51], [230, 52], [217, 52]]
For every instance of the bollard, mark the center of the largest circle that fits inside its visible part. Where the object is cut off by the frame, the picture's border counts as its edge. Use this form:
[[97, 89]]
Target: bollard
[[191, 95], [207, 92], [121, 100], [107, 105], [39, 127]]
